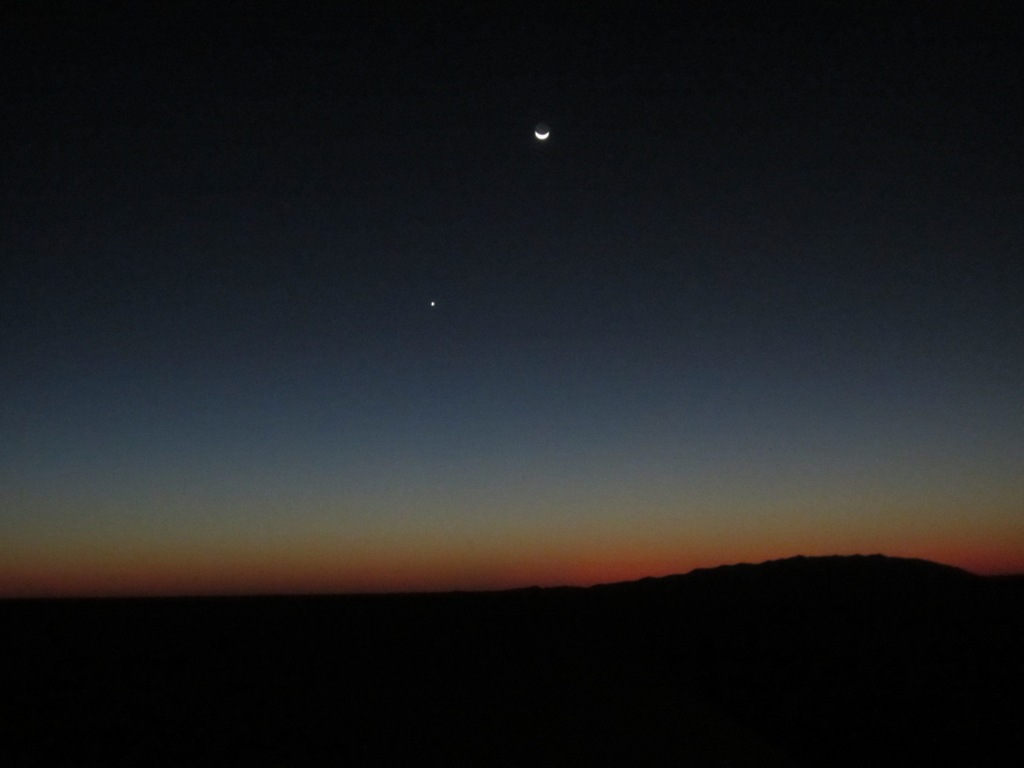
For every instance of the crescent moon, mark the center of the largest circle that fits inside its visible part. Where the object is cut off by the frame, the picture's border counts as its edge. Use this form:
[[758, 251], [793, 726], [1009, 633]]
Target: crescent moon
[[542, 136]]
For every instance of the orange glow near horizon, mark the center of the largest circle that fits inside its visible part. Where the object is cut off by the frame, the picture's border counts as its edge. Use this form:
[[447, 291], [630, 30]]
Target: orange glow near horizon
[[323, 571]]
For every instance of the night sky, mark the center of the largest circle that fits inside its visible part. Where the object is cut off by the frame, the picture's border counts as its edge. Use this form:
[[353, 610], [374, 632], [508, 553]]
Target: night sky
[[759, 293]]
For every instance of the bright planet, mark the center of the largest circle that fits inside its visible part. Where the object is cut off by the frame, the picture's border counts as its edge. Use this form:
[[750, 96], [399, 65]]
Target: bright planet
[[743, 309]]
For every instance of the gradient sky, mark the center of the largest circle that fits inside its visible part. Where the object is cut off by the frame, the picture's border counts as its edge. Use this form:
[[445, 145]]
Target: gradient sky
[[758, 295]]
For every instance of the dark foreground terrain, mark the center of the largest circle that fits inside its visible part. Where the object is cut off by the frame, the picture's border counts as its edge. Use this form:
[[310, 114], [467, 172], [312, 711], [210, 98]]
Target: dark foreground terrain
[[846, 661]]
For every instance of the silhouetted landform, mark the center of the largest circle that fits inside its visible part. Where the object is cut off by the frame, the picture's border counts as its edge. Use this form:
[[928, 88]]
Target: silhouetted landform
[[836, 661]]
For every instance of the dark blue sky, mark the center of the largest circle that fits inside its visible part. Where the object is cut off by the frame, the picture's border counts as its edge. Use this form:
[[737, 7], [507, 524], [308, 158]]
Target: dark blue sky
[[757, 295]]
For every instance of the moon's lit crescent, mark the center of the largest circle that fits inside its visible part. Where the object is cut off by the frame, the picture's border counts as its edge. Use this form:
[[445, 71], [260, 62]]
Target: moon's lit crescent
[[542, 136]]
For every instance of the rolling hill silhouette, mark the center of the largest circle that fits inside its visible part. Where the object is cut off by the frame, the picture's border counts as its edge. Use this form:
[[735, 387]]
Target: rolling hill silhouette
[[832, 661]]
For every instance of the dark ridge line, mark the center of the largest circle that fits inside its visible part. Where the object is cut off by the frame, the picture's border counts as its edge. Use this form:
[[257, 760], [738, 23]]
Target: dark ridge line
[[850, 566]]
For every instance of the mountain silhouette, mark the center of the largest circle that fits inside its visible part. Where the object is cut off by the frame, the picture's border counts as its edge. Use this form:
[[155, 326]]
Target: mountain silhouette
[[807, 661]]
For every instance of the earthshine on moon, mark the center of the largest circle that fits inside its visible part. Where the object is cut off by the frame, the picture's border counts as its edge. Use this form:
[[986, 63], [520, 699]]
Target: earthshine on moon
[[541, 131]]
